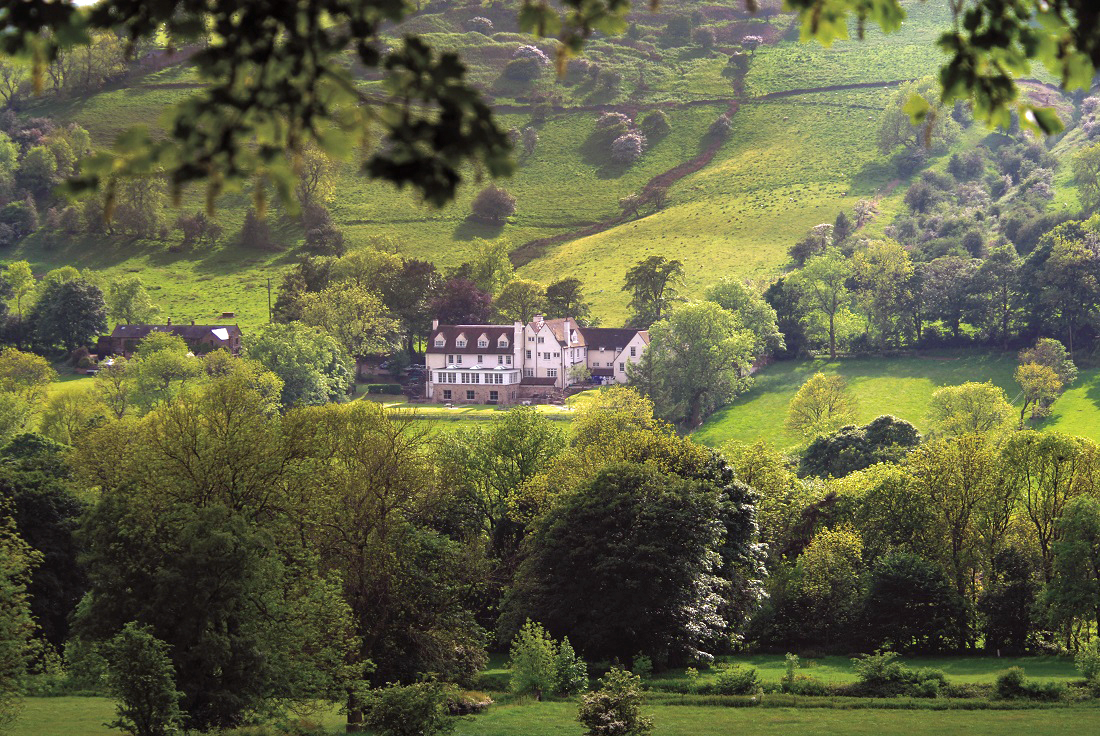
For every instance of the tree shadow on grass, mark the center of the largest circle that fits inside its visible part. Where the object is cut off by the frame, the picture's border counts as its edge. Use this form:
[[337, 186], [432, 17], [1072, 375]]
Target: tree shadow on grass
[[873, 176], [472, 227]]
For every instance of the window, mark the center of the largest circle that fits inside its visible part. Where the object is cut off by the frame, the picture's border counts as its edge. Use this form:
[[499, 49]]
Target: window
[[446, 394], [471, 378], [460, 342], [622, 367], [494, 378], [528, 355], [481, 359], [450, 359], [502, 342], [528, 372], [494, 396], [633, 352], [440, 342], [557, 355], [469, 395], [530, 338], [542, 340], [483, 342], [551, 372], [446, 377], [508, 359]]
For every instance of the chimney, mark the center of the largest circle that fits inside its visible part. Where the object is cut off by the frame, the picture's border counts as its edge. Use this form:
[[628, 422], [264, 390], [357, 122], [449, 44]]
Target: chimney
[[565, 331], [435, 324], [538, 321]]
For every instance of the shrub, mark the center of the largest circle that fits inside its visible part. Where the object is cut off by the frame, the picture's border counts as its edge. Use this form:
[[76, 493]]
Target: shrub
[[532, 52], [655, 124], [642, 666], [1012, 684], [571, 671], [410, 710], [627, 148], [882, 675], [141, 678], [1088, 659], [533, 661], [615, 709], [530, 140], [255, 233], [468, 703], [737, 681], [704, 37], [613, 121], [494, 204], [722, 126], [523, 70], [479, 24]]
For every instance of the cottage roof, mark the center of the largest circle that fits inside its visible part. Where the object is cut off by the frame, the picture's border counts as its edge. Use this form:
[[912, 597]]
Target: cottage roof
[[451, 333], [557, 328], [608, 338], [187, 332]]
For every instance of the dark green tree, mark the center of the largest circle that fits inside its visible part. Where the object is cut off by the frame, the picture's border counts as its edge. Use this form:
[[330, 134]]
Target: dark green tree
[[652, 284], [565, 298], [314, 367], [141, 678], [1007, 603], [913, 607], [626, 565], [68, 315]]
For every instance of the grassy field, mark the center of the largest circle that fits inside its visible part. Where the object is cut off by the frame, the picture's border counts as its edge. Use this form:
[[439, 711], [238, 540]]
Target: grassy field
[[898, 386]]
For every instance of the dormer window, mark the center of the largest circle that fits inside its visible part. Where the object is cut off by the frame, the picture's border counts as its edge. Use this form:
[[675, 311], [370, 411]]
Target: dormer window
[[483, 342], [460, 342], [440, 341], [502, 342]]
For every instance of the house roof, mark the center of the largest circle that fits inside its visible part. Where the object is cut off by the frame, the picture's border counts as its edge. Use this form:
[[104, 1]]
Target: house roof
[[451, 333], [607, 338], [609, 372], [187, 332], [557, 327]]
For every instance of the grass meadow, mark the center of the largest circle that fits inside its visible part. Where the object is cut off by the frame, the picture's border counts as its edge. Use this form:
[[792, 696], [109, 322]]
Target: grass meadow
[[901, 386]]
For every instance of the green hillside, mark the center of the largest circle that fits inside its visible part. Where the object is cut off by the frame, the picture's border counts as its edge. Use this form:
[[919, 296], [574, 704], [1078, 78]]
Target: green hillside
[[790, 162]]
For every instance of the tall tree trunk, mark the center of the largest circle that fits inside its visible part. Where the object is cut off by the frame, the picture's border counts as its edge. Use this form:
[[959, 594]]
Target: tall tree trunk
[[832, 336]]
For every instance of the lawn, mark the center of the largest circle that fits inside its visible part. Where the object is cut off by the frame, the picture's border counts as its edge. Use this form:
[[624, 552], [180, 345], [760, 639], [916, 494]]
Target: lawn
[[85, 716], [898, 386]]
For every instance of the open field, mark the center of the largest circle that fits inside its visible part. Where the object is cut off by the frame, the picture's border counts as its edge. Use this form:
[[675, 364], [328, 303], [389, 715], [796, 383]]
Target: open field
[[898, 386]]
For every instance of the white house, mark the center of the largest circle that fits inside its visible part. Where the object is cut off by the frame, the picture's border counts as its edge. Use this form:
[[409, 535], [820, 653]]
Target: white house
[[501, 364]]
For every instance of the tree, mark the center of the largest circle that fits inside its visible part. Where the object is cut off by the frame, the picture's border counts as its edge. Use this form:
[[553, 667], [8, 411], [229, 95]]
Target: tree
[[494, 205], [159, 370], [198, 228], [313, 366], [698, 359], [1086, 174], [17, 561], [829, 575], [626, 565], [823, 284], [969, 408], [652, 284], [68, 414], [532, 659], [947, 289], [615, 708], [1068, 284], [998, 279], [37, 172], [69, 314], [1040, 386], [896, 126], [882, 274], [1074, 589], [565, 298], [491, 268], [1052, 354], [885, 439], [140, 677], [821, 405], [139, 206], [520, 300], [1007, 602], [128, 301], [755, 314], [420, 709], [21, 280], [461, 302], [355, 316], [912, 606]]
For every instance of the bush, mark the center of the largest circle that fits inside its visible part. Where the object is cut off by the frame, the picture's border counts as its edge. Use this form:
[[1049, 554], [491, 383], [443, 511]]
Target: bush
[[523, 70], [881, 675], [737, 681], [530, 140], [532, 659], [613, 121], [141, 678], [642, 666], [493, 204], [627, 148], [705, 38], [1088, 661], [468, 703], [570, 670], [532, 52], [656, 124], [615, 709], [1012, 684], [410, 710], [479, 24], [722, 126]]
